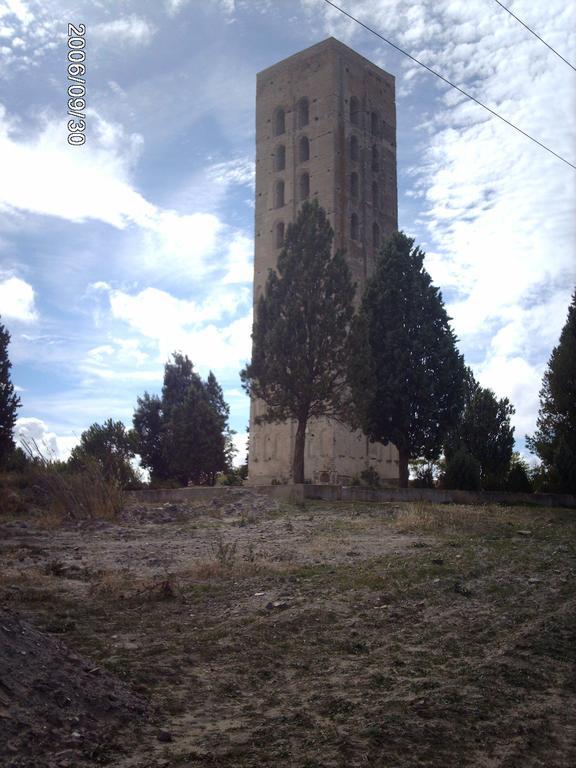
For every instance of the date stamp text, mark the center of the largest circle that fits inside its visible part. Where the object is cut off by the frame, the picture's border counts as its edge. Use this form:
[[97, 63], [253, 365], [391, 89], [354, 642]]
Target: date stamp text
[[77, 87]]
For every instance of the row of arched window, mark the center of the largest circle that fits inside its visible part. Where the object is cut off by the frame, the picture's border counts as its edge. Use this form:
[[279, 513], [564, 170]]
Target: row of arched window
[[280, 153], [356, 117], [355, 188], [303, 190], [354, 154], [302, 117], [354, 232]]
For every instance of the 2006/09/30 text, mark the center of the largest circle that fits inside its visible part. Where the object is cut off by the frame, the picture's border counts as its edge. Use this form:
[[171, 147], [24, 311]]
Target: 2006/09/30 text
[[77, 89]]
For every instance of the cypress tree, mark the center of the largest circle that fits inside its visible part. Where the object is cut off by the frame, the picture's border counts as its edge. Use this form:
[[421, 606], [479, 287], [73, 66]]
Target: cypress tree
[[405, 370], [9, 400], [299, 336], [555, 438]]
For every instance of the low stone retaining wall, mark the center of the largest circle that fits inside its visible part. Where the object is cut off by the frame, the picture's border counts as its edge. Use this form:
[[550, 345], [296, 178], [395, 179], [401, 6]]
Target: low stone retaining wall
[[435, 495], [299, 493], [182, 494]]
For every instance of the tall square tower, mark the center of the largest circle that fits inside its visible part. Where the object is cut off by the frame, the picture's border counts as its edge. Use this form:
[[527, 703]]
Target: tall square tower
[[325, 128]]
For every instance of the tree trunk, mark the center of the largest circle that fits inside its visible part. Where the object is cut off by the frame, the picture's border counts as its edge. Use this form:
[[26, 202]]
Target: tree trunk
[[403, 467], [299, 444]]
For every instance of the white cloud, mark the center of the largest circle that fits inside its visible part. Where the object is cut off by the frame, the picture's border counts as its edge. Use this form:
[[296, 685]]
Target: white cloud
[[175, 6], [130, 29], [185, 242], [513, 377], [239, 171], [240, 441], [37, 175], [17, 300], [19, 9], [214, 332], [33, 434], [240, 260]]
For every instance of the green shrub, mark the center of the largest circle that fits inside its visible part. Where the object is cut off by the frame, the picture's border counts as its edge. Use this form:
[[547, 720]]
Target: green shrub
[[370, 478], [518, 477], [462, 471]]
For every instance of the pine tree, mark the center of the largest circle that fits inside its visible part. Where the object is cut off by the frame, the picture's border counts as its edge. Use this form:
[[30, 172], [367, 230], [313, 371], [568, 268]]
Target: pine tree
[[184, 435], [405, 370], [300, 331], [193, 440], [179, 376], [9, 400], [555, 438], [148, 423], [484, 430]]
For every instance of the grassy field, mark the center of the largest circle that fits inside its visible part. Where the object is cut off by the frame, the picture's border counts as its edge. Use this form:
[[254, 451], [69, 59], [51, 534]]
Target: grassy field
[[314, 636]]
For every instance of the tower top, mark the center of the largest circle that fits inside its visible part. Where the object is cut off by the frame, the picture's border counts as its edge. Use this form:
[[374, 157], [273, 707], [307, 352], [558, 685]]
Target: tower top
[[330, 45]]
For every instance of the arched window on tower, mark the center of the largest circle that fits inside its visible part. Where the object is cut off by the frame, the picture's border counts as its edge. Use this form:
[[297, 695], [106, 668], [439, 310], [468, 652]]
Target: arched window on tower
[[354, 149], [279, 194], [354, 111], [302, 113], [375, 195], [354, 227], [280, 158], [279, 122], [374, 122], [375, 160], [304, 186], [353, 185], [303, 149], [375, 236], [279, 234]]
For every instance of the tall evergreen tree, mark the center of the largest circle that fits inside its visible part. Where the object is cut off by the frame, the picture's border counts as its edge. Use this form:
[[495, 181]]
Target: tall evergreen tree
[[194, 441], [148, 423], [300, 330], [405, 370], [484, 430], [555, 438], [9, 400], [179, 376], [184, 434]]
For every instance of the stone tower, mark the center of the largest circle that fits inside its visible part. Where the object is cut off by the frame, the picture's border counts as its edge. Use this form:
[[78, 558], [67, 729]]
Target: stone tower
[[325, 128]]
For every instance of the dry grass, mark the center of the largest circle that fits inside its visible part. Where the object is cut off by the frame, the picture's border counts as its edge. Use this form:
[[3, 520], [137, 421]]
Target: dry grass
[[55, 493], [423, 517]]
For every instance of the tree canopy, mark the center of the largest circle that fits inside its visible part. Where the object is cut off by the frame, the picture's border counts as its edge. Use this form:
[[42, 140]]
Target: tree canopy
[[9, 400], [405, 370], [555, 438], [484, 430], [184, 434], [112, 446], [300, 330]]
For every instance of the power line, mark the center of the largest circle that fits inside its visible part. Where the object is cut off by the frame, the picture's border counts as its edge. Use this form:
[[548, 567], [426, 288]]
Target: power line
[[453, 85], [535, 35]]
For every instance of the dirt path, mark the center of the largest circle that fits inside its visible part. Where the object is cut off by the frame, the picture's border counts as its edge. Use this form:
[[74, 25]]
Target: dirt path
[[366, 635]]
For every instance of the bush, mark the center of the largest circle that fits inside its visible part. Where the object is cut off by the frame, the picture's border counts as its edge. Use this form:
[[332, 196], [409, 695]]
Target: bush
[[425, 473], [370, 478], [518, 478], [462, 471], [231, 478], [83, 494]]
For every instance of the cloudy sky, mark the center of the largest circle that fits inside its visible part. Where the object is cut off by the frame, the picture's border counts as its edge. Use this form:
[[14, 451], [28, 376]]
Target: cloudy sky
[[118, 252]]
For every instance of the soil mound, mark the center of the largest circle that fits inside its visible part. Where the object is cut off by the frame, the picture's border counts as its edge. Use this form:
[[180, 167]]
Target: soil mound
[[56, 708]]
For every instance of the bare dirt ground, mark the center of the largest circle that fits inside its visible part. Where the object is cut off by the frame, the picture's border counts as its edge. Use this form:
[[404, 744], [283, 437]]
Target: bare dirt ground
[[243, 633]]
